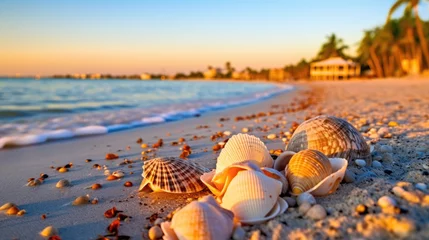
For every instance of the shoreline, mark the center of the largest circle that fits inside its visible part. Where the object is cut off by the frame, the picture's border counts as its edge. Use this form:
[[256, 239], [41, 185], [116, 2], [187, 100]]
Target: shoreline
[[376, 102]]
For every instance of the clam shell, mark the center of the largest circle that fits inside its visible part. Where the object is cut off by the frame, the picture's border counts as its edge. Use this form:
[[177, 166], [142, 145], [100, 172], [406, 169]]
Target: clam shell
[[118, 174], [243, 147], [283, 160], [306, 169], [251, 195], [63, 183], [49, 231], [273, 173], [81, 200], [333, 136], [330, 184], [173, 175], [203, 219], [6, 206]]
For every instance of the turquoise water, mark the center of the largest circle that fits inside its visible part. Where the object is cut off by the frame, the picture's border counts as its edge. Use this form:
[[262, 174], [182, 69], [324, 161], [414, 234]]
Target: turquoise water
[[59, 108]]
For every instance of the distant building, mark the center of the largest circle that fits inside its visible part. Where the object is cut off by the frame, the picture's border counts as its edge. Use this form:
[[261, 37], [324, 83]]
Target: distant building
[[212, 73], [411, 66], [278, 74], [95, 76], [243, 75], [145, 76], [335, 68]]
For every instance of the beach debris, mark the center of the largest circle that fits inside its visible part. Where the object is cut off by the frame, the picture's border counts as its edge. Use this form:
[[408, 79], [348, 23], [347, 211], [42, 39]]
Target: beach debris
[[421, 186], [316, 212], [63, 183], [246, 130], [107, 172], [123, 217], [112, 178], [81, 200], [111, 156], [332, 136], [216, 147], [305, 197], [35, 182], [139, 141], [63, 170], [48, 232], [360, 162], [94, 201], [155, 232], [202, 219], [393, 124], [96, 166], [43, 176], [242, 147], [361, 209], [12, 210], [158, 144], [6, 206], [311, 171], [128, 184], [182, 176], [43, 217], [111, 213], [118, 174], [113, 227], [88, 160], [21, 212], [96, 186], [271, 136]]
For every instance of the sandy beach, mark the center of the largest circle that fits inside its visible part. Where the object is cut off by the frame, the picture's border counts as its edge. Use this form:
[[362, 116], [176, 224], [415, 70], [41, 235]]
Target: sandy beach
[[389, 112]]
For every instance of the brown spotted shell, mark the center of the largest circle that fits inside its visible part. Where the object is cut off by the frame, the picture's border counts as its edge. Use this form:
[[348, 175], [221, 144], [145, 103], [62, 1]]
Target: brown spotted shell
[[334, 137], [173, 175], [306, 169]]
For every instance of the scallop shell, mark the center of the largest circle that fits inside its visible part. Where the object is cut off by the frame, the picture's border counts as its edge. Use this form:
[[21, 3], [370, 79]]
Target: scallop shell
[[63, 183], [173, 175], [334, 137], [6, 206], [251, 195], [49, 231], [306, 169], [242, 147], [203, 219]]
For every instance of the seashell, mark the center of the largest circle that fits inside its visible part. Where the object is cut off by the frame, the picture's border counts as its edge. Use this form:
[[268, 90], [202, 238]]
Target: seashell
[[111, 213], [113, 227], [111, 178], [386, 202], [49, 231], [308, 171], [243, 147], [283, 160], [273, 173], [63, 170], [6, 206], [21, 212], [34, 183], [251, 195], [203, 219], [63, 183], [128, 184], [118, 174], [155, 232], [13, 210], [107, 172], [334, 137], [173, 175], [96, 186], [81, 200]]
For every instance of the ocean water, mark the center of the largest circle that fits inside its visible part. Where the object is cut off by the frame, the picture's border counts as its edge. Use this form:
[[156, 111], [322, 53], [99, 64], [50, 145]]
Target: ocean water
[[35, 111]]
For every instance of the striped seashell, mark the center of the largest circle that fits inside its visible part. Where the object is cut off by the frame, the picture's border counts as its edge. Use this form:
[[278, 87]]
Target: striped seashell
[[306, 169], [202, 219], [244, 147], [334, 137], [173, 175]]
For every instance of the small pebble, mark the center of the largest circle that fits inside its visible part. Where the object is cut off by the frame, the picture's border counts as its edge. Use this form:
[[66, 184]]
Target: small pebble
[[392, 124], [388, 171], [386, 202], [349, 177], [410, 197], [377, 164], [398, 191], [386, 149], [239, 233], [271, 136], [155, 232], [421, 186], [374, 136], [245, 130], [383, 131], [316, 212], [303, 208], [361, 209], [360, 162], [227, 133], [305, 197], [291, 202]]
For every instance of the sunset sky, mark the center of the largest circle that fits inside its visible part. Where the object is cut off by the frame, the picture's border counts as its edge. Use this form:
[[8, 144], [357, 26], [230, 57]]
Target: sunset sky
[[126, 37]]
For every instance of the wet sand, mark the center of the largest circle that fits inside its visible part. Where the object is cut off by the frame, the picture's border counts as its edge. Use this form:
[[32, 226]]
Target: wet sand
[[366, 104]]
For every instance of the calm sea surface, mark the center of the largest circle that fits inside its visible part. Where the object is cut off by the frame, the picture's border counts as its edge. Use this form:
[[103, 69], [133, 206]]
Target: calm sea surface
[[60, 108]]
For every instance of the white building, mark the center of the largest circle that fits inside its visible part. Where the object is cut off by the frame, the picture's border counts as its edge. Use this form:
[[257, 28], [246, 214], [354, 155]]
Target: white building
[[335, 68]]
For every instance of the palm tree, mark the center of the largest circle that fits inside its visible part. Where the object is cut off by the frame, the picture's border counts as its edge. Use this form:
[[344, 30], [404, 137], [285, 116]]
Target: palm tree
[[413, 4], [367, 53], [333, 47]]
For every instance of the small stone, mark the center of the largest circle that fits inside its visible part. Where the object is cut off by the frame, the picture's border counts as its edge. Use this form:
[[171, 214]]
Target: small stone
[[158, 221], [303, 208], [398, 191], [388, 171], [291, 202], [271, 136], [393, 124], [155, 232], [386, 149], [360, 162], [239, 233], [377, 157], [374, 136], [305, 197], [410, 197], [349, 177], [421, 186], [361, 209], [227, 133], [245, 130], [383, 131], [386, 202], [376, 164], [316, 212]]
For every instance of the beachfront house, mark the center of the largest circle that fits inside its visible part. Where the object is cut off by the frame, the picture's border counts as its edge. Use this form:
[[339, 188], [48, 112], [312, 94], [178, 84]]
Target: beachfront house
[[335, 68], [145, 76], [278, 74]]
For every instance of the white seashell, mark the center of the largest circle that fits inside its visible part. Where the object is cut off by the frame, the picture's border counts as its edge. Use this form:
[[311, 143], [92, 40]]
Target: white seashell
[[203, 219], [107, 172], [360, 162], [6, 206], [386, 202], [305, 197], [63, 183], [118, 174], [251, 195], [227, 133], [243, 147], [273, 173], [316, 212], [376, 164], [49, 232], [283, 160]]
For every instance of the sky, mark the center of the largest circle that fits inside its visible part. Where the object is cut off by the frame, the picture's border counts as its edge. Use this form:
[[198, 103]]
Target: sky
[[131, 37]]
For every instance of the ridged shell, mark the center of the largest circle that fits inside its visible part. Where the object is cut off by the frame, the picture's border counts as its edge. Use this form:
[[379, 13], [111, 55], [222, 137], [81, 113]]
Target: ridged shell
[[203, 219], [173, 175], [306, 169], [242, 147], [251, 195], [333, 136], [273, 173]]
